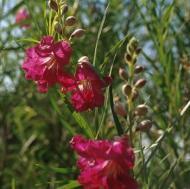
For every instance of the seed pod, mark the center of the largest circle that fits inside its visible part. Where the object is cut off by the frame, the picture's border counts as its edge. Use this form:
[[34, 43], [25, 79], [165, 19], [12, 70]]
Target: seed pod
[[139, 69], [127, 89], [140, 83], [53, 5], [120, 109], [83, 59], [65, 9], [144, 125], [123, 74], [141, 110], [70, 21], [78, 33]]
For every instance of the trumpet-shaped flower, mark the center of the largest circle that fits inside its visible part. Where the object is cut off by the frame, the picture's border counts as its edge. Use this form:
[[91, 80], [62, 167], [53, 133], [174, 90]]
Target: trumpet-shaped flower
[[104, 164], [44, 63], [87, 88]]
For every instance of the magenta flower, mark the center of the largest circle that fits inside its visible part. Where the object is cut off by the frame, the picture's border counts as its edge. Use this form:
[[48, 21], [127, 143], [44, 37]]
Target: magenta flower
[[87, 88], [21, 16], [45, 62], [104, 164]]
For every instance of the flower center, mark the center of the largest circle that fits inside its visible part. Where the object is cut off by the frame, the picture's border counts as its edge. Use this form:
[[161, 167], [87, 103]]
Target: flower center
[[84, 85], [50, 62], [113, 169]]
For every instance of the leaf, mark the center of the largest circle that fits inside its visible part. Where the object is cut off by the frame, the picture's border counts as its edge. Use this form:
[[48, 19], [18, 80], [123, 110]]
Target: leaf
[[28, 40], [83, 124], [70, 185], [116, 120]]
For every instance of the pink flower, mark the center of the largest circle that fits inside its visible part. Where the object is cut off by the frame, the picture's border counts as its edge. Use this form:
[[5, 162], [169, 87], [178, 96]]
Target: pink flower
[[21, 16], [44, 63], [104, 164], [87, 88]]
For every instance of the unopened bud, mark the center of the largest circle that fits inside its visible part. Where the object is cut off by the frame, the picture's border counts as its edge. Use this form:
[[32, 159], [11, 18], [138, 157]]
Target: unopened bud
[[58, 28], [65, 9], [140, 83], [127, 89], [53, 5], [78, 33], [128, 58], [123, 74], [83, 59], [138, 50], [70, 21], [134, 94], [141, 110], [120, 109], [139, 69], [144, 125]]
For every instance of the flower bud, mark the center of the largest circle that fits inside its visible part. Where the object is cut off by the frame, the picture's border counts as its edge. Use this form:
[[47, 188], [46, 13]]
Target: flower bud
[[83, 59], [144, 125], [128, 58], [78, 33], [53, 5], [138, 50], [70, 21], [139, 69], [120, 109], [134, 94], [140, 83], [127, 89], [58, 28], [141, 110], [123, 74], [65, 9]]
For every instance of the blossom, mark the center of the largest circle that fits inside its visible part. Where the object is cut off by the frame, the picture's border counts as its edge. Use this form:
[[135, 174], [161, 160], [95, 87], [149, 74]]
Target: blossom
[[21, 16], [87, 88], [104, 164], [44, 63]]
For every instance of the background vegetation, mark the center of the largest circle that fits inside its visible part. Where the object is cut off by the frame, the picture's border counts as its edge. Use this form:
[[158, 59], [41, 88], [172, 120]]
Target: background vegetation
[[35, 129]]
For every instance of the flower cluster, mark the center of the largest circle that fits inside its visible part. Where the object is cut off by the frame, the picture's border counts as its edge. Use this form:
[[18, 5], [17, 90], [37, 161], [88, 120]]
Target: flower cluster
[[104, 164], [45, 64]]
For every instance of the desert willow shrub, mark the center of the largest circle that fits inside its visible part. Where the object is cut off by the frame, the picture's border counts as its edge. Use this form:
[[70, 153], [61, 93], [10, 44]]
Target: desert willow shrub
[[137, 138]]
